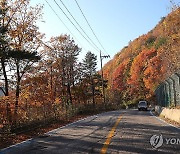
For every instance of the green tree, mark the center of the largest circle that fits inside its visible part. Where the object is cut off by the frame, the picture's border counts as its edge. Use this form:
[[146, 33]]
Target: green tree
[[19, 57], [89, 69]]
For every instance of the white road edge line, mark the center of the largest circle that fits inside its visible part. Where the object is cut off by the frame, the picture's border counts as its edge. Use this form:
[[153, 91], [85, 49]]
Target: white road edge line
[[54, 130], [164, 121], [48, 133], [17, 144]]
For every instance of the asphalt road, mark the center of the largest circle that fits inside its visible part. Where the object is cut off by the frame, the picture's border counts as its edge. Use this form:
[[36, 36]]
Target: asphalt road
[[124, 131]]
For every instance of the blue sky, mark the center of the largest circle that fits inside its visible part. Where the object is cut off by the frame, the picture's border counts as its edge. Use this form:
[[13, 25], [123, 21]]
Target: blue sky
[[115, 22]]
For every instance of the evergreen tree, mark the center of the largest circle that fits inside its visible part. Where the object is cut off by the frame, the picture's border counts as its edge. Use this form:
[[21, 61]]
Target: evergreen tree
[[89, 69], [90, 63]]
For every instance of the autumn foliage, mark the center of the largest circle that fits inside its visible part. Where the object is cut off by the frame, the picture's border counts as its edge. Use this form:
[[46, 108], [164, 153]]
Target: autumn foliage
[[135, 72], [42, 81], [119, 76]]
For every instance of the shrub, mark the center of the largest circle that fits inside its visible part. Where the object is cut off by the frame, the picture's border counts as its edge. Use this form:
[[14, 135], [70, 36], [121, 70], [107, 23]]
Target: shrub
[[160, 42], [150, 41]]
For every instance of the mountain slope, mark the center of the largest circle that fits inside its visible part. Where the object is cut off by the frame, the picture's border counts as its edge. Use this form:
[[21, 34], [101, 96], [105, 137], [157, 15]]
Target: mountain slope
[[135, 72]]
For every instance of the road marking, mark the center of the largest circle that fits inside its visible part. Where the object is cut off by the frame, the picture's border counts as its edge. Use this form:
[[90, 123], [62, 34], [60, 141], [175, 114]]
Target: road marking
[[58, 129], [48, 133], [110, 135], [164, 121]]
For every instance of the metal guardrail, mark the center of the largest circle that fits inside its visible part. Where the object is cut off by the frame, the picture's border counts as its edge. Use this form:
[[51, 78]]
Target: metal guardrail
[[168, 92]]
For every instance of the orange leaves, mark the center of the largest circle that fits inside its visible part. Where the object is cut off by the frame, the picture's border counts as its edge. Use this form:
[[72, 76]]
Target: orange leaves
[[35, 90], [22, 26], [153, 56], [153, 73], [139, 65], [119, 75]]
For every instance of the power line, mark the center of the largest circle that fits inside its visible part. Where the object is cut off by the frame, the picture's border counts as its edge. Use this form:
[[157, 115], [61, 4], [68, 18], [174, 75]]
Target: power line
[[75, 25], [78, 24], [58, 17], [90, 26], [63, 22]]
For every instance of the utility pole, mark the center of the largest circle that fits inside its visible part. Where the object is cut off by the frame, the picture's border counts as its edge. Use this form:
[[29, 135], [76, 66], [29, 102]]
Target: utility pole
[[101, 58]]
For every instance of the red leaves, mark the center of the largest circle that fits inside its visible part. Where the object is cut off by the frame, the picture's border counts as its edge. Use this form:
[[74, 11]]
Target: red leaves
[[119, 76], [139, 65], [154, 73]]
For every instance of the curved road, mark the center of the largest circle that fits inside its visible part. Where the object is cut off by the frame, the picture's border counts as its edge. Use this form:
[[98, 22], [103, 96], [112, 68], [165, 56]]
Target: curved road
[[123, 131]]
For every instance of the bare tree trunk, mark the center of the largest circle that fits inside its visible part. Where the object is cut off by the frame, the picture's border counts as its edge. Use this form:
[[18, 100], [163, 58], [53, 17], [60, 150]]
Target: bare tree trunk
[[17, 91], [69, 93], [6, 92], [93, 92]]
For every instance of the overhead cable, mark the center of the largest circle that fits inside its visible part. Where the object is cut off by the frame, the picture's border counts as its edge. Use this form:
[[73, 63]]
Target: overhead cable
[[78, 24], [75, 26], [90, 26], [63, 22]]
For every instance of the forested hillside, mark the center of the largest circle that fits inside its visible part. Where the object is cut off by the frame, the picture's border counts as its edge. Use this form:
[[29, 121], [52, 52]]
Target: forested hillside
[[135, 72], [41, 82]]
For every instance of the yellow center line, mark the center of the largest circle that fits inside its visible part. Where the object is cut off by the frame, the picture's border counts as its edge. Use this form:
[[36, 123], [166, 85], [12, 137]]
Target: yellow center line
[[110, 135]]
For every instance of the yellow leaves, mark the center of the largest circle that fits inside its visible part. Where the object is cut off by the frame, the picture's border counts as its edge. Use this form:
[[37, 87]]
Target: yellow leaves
[[4, 99], [175, 36], [165, 23], [57, 101], [25, 94], [22, 27]]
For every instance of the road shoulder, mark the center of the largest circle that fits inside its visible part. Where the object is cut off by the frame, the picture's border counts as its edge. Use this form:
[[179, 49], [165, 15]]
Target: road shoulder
[[165, 120]]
